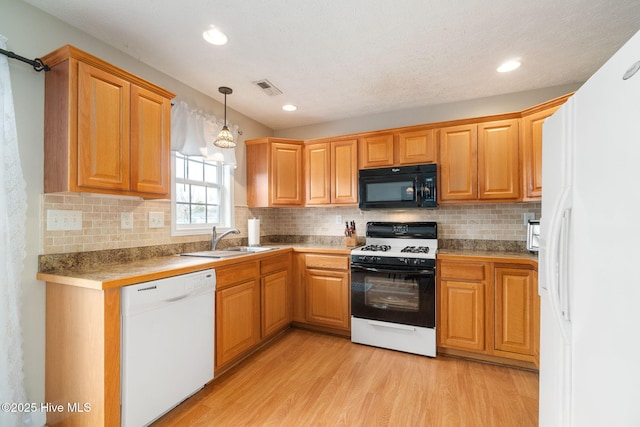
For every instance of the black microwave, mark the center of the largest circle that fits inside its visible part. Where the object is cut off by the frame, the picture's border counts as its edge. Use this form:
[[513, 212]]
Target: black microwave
[[403, 187]]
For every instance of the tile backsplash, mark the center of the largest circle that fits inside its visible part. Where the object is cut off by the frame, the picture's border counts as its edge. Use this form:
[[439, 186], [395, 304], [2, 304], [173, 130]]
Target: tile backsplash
[[101, 222]]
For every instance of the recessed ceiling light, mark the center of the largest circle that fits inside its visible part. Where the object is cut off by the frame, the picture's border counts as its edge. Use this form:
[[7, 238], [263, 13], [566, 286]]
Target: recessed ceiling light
[[215, 36], [289, 107], [509, 66]]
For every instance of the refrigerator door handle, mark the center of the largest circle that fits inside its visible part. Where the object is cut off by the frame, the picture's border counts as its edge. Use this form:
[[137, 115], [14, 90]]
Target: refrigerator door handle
[[557, 273], [563, 265]]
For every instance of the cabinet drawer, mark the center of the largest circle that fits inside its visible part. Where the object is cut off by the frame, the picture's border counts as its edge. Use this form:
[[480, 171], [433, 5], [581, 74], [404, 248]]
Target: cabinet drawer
[[332, 262], [463, 271], [236, 273], [276, 263]]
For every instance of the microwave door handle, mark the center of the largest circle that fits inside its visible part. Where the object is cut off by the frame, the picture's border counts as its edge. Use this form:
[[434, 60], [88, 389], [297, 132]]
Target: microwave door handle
[[417, 190]]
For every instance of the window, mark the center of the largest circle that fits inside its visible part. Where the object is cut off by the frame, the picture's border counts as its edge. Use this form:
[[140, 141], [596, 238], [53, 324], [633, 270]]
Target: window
[[202, 196]]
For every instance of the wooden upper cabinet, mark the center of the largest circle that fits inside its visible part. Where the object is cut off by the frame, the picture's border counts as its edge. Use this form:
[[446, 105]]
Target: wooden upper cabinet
[[331, 170], [150, 141], [318, 174], [410, 147], [498, 160], [417, 147], [344, 172], [531, 142], [274, 172], [376, 151], [106, 131], [480, 162], [458, 177]]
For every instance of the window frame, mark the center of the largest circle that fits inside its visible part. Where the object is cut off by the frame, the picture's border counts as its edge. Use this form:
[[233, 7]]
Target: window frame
[[227, 211]]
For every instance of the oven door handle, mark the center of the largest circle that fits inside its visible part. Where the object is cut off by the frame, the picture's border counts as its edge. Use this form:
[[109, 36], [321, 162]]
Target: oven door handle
[[389, 270]]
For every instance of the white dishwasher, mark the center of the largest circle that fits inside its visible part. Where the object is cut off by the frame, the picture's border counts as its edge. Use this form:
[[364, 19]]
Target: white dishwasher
[[167, 344]]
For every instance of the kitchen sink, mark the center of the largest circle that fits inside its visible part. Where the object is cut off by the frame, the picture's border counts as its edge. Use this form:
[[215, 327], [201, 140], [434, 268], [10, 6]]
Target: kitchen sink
[[228, 252], [249, 249], [213, 254]]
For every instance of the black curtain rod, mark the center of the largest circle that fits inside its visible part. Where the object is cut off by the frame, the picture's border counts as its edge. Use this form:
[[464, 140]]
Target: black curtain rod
[[37, 63]]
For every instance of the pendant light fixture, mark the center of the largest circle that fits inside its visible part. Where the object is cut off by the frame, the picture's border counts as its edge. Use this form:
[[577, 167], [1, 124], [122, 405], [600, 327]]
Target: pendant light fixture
[[225, 139]]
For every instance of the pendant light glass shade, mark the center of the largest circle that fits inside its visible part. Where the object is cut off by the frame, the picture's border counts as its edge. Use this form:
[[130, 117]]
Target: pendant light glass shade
[[225, 139]]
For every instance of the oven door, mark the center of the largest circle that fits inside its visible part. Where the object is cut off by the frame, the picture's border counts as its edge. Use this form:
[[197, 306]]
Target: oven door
[[399, 295]]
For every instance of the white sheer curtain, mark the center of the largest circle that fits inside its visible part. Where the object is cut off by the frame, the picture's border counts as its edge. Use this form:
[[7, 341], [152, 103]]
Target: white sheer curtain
[[193, 133], [13, 206]]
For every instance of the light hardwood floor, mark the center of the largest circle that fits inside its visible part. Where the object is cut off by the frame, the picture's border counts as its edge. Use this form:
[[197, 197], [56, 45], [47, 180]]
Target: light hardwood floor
[[311, 379]]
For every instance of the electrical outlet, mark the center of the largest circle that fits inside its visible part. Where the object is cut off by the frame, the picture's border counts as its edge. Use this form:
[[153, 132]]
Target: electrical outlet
[[156, 219], [126, 220], [528, 216], [64, 220], [338, 219]]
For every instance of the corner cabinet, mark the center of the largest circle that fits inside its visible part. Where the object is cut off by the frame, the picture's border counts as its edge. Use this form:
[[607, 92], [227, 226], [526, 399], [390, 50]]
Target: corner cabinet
[[489, 309], [106, 130], [274, 172], [331, 173], [480, 161]]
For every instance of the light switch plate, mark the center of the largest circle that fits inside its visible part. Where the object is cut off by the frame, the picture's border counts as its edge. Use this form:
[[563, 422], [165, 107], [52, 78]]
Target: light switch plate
[[156, 219], [64, 220], [528, 216], [126, 220]]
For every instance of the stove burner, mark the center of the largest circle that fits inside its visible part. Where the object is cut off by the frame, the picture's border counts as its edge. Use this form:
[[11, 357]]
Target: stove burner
[[375, 248], [416, 249]]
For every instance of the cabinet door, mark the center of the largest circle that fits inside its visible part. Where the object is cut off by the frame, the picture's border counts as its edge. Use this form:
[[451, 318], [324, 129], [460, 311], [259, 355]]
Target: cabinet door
[[498, 160], [416, 147], [318, 174], [276, 312], [532, 152], [103, 129], [376, 151], [150, 142], [327, 294], [458, 163], [344, 172], [515, 293], [237, 320], [462, 315], [286, 174]]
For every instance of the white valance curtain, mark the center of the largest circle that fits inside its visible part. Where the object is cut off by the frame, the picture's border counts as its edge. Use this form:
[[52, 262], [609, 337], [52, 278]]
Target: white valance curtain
[[193, 133], [13, 209]]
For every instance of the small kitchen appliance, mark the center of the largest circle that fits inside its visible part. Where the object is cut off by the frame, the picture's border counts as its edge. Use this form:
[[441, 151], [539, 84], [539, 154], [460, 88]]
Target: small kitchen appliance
[[393, 287]]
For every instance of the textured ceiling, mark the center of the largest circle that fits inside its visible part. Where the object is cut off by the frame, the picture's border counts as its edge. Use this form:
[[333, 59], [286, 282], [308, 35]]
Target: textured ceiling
[[348, 58]]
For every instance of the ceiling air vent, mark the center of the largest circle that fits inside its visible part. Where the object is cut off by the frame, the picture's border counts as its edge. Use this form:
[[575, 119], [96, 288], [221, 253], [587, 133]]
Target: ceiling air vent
[[268, 88]]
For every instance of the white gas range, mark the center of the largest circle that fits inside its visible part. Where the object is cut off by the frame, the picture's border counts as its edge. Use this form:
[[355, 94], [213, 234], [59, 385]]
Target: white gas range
[[393, 292]]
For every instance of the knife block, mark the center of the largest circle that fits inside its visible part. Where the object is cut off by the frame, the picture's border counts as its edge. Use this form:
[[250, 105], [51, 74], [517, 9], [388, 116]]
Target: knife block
[[351, 242]]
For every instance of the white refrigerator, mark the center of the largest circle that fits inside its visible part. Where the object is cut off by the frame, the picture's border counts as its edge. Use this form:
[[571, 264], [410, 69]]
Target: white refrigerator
[[589, 278]]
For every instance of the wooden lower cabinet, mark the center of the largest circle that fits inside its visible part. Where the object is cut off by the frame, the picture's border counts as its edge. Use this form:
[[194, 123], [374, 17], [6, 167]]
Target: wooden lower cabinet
[[321, 292], [237, 320], [516, 311], [275, 308], [327, 298], [253, 302], [488, 310]]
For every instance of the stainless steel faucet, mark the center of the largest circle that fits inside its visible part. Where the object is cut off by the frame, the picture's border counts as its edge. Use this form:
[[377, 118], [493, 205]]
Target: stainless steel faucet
[[215, 239]]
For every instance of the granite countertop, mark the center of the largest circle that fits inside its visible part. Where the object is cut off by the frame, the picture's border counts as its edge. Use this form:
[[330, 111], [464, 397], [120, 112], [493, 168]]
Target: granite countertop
[[98, 273]]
